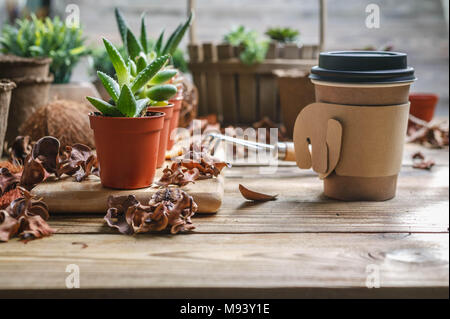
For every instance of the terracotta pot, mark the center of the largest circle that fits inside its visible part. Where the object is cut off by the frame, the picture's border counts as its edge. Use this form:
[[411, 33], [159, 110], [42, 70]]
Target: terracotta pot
[[74, 91], [6, 87], [12, 67], [30, 94], [423, 105], [164, 136], [127, 149], [177, 102]]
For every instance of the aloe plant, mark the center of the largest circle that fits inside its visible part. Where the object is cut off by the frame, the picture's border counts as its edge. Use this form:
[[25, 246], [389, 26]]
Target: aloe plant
[[129, 84], [141, 51], [46, 38]]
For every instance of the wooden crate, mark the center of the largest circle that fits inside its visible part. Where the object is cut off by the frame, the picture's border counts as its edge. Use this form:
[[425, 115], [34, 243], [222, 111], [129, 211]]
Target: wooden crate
[[242, 94], [239, 93]]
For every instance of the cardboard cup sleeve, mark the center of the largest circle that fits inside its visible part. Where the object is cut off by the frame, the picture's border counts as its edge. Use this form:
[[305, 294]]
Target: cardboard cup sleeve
[[356, 150]]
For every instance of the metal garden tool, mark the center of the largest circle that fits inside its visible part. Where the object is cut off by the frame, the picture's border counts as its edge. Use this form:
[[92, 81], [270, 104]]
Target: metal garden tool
[[283, 151]]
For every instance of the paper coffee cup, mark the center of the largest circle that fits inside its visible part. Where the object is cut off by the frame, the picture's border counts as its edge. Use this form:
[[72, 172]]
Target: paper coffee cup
[[362, 79]]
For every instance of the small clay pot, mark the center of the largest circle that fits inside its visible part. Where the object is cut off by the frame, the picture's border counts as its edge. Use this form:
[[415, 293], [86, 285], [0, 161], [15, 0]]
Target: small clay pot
[[423, 105], [164, 136], [177, 102], [12, 67], [6, 87], [31, 93], [127, 149]]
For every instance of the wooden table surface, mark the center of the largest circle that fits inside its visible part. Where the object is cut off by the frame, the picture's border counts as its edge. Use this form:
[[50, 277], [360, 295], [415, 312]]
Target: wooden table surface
[[302, 245]]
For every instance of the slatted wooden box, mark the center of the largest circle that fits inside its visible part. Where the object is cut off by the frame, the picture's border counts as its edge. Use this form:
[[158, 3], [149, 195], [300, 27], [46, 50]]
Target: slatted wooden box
[[242, 94]]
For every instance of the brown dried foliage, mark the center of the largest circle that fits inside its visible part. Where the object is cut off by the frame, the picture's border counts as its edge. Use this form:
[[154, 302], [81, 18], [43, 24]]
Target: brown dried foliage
[[434, 134], [168, 209], [25, 217]]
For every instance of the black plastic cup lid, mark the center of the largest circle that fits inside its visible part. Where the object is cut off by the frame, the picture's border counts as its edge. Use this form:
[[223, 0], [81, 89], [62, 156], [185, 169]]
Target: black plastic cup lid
[[369, 67]]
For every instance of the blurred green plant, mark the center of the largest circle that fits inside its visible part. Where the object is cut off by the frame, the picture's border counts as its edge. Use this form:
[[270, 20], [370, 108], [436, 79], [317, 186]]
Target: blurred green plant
[[46, 38], [283, 35], [254, 49]]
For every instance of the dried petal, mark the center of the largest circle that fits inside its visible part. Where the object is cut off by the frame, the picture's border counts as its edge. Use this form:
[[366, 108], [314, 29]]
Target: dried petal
[[33, 227], [8, 181], [25, 216], [255, 196], [170, 207], [7, 198], [46, 150], [80, 162], [20, 149], [33, 173], [9, 226]]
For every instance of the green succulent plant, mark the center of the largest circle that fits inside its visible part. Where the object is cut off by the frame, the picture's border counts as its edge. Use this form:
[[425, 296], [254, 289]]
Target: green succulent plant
[[126, 100], [254, 49], [99, 61], [283, 35], [141, 51], [46, 38]]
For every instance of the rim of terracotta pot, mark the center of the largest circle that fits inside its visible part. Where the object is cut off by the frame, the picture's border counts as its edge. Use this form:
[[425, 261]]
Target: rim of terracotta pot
[[149, 108], [123, 118], [14, 59], [7, 85], [34, 79], [423, 96]]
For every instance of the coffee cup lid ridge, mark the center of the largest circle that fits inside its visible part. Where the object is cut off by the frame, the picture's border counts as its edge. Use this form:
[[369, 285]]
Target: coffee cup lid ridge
[[370, 67]]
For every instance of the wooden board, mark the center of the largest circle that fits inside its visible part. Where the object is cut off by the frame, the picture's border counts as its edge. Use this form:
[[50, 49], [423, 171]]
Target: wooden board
[[220, 265], [301, 246], [68, 196]]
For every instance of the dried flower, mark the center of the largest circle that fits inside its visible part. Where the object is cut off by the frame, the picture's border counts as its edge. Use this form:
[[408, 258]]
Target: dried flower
[[168, 208], [26, 217], [434, 134]]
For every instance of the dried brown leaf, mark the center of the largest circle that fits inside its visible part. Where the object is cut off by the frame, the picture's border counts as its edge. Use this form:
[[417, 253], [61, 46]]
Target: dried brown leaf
[[255, 196]]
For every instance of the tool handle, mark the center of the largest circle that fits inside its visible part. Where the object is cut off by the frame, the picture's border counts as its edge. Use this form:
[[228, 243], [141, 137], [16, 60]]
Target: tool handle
[[290, 152]]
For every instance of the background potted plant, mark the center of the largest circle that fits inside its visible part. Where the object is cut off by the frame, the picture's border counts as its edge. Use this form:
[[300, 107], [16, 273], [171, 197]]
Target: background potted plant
[[126, 134], [54, 39], [283, 35]]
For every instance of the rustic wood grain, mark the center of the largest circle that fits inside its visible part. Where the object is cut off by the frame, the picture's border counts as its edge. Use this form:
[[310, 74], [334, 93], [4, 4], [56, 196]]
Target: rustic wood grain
[[302, 245], [67, 196], [228, 88], [247, 98], [293, 262], [212, 80]]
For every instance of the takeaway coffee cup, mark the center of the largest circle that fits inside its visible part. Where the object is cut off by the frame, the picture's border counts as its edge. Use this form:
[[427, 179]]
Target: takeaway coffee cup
[[357, 127]]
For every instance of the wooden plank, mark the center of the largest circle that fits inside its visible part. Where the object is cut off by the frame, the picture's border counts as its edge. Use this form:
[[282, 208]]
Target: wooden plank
[[291, 51], [307, 52], [228, 87], [196, 55], [212, 80], [273, 50], [268, 97], [68, 196], [267, 67], [286, 264], [421, 205], [247, 99]]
